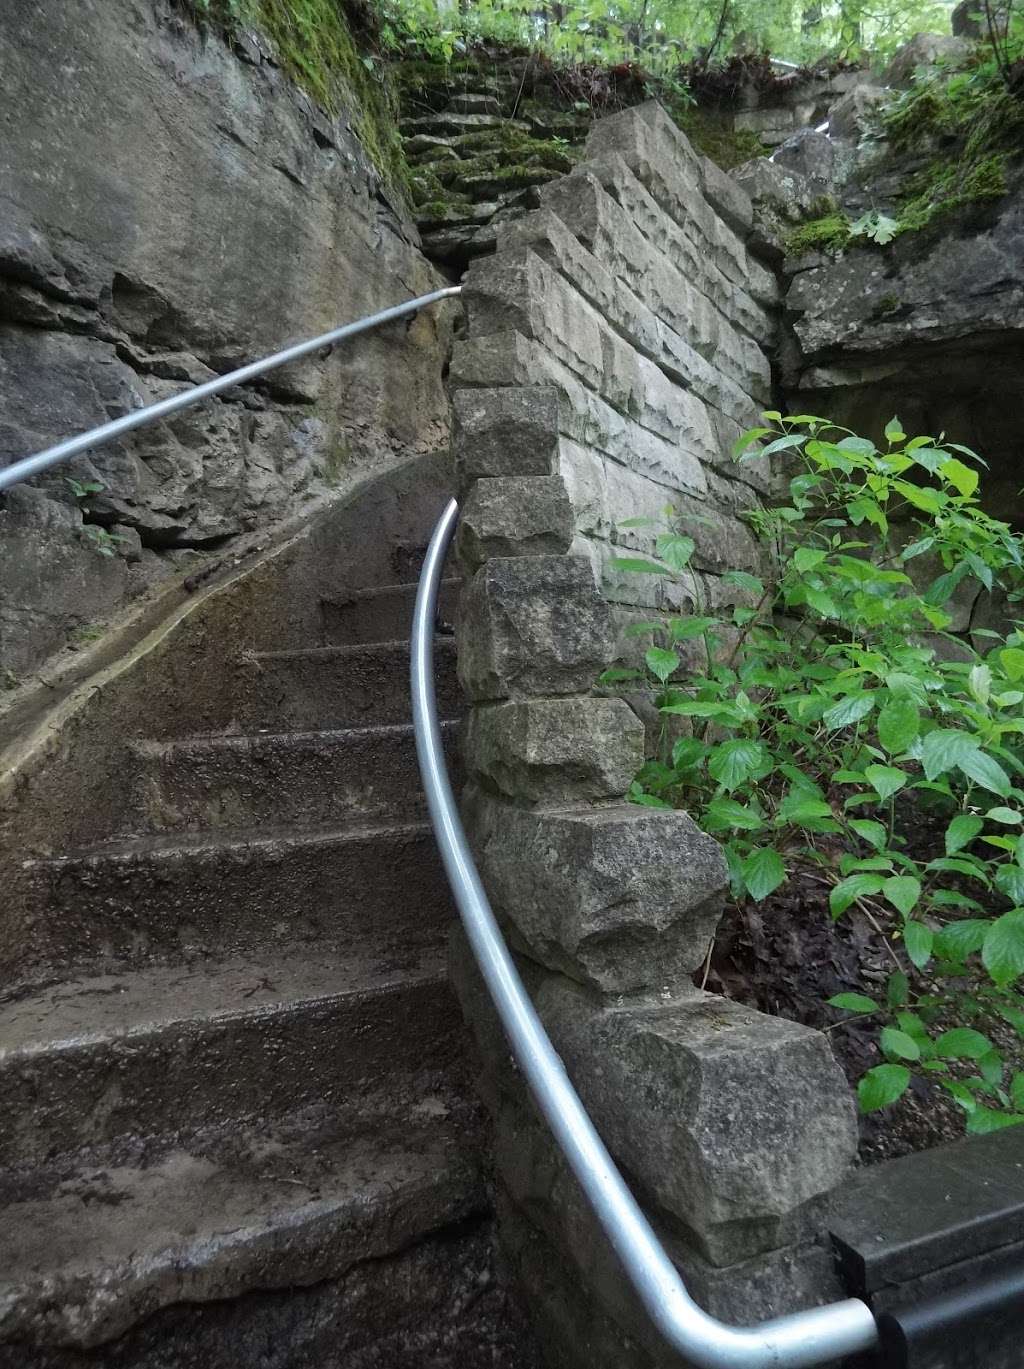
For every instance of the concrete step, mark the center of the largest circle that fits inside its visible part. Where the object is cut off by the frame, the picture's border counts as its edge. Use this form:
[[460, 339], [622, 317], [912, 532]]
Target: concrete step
[[335, 687], [355, 774], [376, 615], [290, 1204], [179, 1050], [190, 896]]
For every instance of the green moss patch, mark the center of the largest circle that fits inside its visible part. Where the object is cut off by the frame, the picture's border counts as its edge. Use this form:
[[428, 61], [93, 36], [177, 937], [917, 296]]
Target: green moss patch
[[314, 43], [830, 233]]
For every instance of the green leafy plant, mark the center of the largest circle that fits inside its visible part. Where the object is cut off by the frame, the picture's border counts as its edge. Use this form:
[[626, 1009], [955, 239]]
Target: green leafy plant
[[832, 703], [104, 543]]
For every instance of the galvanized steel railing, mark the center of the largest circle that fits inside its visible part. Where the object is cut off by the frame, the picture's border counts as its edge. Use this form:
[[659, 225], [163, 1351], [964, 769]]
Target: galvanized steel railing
[[152, 413], [817, 1336]]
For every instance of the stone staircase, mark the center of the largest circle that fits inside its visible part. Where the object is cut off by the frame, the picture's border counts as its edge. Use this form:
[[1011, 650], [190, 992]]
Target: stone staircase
[[237, 1127]]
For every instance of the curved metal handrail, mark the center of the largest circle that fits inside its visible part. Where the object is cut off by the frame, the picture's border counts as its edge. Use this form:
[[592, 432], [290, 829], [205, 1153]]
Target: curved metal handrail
[[152, 413], [806, 1338]]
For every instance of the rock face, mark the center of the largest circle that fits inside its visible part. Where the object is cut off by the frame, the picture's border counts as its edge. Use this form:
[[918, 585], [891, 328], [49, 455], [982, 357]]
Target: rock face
[[897, 330], [616, 346], [211, 215]]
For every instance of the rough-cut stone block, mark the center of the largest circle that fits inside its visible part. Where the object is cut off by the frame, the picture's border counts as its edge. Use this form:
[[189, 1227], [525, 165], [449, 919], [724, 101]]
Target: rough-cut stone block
[[618, 897], [726, 197], [746, 1118], [642, 295], [693, 259], [508, 431], [554, 750], [532, 625], [675, 459], [850, 116], [515, 516], [652, 147]]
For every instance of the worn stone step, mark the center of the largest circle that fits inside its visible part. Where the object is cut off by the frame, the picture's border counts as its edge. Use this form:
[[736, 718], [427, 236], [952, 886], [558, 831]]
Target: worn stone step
[[187, 896], [382, 614], [337, 686], [296, 1202], [298, 778], [183, 1049]]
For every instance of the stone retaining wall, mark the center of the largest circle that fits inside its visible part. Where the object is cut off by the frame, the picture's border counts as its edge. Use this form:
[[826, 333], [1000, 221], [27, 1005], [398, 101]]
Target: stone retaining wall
[[616, 346]]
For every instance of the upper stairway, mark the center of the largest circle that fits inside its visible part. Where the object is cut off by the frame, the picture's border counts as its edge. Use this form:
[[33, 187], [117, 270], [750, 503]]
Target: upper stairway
[[235, 1092]]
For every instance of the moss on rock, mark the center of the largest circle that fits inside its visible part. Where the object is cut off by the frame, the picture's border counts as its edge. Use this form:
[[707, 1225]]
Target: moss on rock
[[314, 43]]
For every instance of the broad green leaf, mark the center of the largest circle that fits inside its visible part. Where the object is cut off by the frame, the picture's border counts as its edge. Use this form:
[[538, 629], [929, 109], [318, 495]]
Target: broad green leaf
[[1017, 1091], [871, 832], [646, 800], [961, 1093], [898, 725], [894, 431], [806, 558], [743, 580], [687, 752], [682, 629], [897, 1043], [1010, 881], [852, 888], [635, 565], [746, 439], [1010, 817], [853, 1002], [735, 761], [961, 477], [782, 444], [763, 872], [991, 1067], [722, 814], [918, 940], [675, 550], [661, 663], [849, 710], [1003, 951], [885, 779], [945, 748], [801, 808], [963, 1043], [617, 675], [921, 497], [984, 1120], [961, 832], [1012, 661], [897, 991], [882, 1086], [980, 767], [958, 940], [979, 681]]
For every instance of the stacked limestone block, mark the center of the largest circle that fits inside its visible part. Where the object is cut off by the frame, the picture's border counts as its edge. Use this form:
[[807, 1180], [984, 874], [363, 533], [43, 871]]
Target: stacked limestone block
[[615, 348]]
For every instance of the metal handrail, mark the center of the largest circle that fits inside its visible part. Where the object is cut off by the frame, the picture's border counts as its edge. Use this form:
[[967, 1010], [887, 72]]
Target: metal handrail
[[806, 1338], [152, 413]]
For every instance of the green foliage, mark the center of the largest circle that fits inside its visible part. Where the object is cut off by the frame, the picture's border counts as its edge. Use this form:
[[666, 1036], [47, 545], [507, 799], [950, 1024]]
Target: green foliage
[[966, 126], [830, 233], [823, 718], [660, 35]]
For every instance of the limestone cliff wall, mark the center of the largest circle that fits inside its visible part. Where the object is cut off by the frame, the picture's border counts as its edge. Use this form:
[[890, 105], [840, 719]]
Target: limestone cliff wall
[[171, 206]]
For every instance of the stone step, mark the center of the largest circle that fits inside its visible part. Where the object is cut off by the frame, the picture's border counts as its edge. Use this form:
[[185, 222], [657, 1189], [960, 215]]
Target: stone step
[[182, 1049], [375, 615], [187, 896], [290, 1204], [336, 686], [294, 778]]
